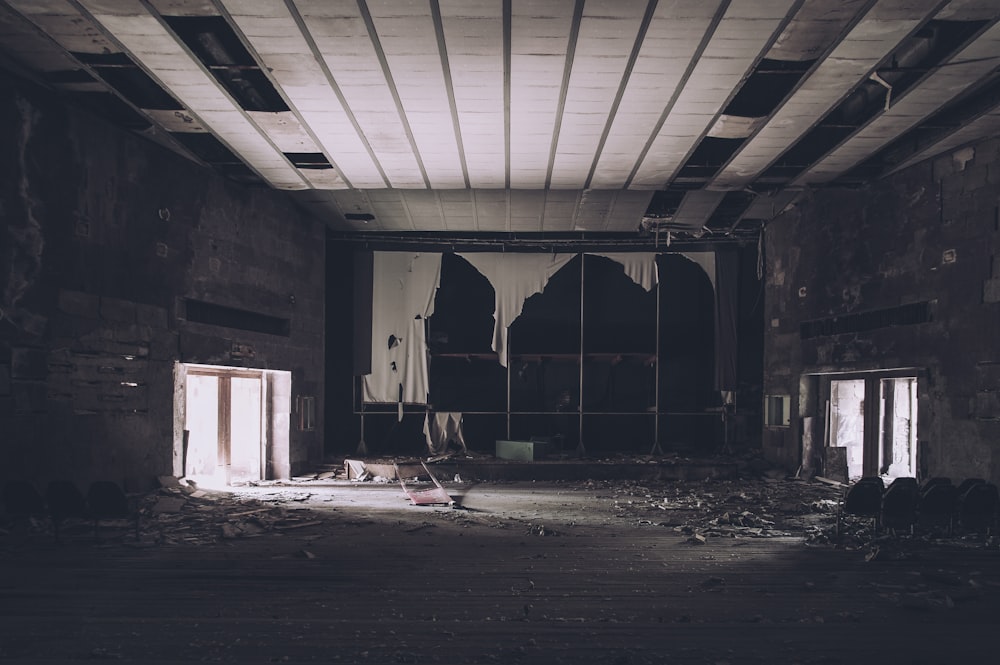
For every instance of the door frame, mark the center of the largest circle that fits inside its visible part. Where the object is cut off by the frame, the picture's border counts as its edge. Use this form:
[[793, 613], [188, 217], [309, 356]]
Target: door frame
[[820, 382], [268, 435]]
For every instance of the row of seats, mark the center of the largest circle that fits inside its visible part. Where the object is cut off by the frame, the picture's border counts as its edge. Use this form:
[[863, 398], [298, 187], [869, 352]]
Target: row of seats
[[938, 503], [63, 500]]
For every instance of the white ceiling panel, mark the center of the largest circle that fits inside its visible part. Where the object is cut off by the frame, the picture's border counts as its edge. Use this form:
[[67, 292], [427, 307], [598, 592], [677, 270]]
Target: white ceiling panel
[[627, 212], [696, 208], [560, 209], [473, 33], [339, 31], [525, 115], [540, 40], [408, 38], [742, 34], [607, 35]]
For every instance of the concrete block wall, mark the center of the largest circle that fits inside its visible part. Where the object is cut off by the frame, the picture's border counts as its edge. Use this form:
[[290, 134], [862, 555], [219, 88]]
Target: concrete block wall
[[105, 237], [929, 234]]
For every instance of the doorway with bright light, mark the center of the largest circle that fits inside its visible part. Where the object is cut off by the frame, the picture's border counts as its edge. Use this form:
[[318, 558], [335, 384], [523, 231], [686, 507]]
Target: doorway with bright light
[[872, 426], [226, 417]]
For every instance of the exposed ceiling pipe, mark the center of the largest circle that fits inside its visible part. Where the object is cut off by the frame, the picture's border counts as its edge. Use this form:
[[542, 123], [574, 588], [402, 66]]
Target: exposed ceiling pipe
[[216, 52], [878, 88]]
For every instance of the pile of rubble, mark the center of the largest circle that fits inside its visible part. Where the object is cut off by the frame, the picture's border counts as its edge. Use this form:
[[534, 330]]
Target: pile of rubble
[[756, 509]]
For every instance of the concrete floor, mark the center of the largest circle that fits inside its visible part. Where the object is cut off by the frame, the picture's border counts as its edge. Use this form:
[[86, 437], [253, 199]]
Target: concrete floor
[[575, 572]]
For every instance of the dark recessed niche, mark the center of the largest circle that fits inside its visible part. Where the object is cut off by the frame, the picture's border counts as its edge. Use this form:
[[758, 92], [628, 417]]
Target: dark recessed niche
[[903, 315], [198, 311]]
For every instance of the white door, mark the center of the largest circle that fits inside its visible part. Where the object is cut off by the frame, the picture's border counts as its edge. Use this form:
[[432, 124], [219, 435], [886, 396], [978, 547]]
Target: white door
[[847, 422], [245, 429], [202, 459]]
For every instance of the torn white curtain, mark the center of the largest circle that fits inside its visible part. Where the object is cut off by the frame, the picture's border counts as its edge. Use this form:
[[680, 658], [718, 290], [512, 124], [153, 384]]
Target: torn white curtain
[[515, 278], [442, 428], [640, 267], [403, 290]]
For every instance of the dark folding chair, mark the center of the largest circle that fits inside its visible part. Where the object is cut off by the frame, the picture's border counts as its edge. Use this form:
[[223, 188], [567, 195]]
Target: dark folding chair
[[937, 480], [862, 499], [967, 484], [899, 504], [937, 503], [106, 500], [65, 501], [977, 507]]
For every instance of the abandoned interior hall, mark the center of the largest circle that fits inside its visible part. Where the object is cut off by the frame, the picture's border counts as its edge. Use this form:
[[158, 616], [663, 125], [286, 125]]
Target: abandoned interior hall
[[500, 331]]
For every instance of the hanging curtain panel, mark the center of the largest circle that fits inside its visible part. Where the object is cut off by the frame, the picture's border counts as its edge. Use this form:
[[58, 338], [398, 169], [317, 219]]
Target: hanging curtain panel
[[707, 262], [727, 320], [640, 267], [403, 288], [515, 278]]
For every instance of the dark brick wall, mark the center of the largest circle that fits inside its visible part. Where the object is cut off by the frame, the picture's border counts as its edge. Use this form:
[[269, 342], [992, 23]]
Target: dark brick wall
[[928, 234], [104, 236]]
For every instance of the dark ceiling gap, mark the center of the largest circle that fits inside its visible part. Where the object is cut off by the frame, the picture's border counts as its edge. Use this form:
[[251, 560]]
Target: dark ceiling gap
[[915, 58], [308, 160], [953, 116], [730, 209], [139, 88], [112, 108], [766, 87], [131, 82], [117, 58], [927, 49], [665, 203], [214, 42], [709, 156]]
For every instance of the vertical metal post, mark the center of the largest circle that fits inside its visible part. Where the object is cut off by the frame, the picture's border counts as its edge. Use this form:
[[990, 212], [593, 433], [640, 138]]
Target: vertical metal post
[[507, 353], [579, 447], [362, 446], [656, 379]]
